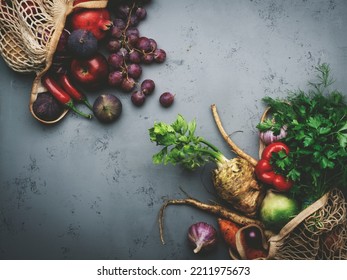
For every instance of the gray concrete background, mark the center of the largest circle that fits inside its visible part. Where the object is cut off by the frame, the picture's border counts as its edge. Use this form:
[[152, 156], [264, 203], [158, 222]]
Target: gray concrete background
[[82, 190]]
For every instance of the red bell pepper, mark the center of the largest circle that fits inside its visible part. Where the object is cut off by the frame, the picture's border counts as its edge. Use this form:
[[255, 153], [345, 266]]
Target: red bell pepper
[[264, 170]]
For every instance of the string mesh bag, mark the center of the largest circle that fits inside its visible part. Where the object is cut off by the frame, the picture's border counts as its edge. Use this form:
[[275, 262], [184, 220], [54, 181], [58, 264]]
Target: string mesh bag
[[318, 232], [29, 34]]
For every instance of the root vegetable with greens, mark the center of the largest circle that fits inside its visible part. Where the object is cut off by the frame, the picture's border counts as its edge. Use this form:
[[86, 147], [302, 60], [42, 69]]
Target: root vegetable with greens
[[233, 179]]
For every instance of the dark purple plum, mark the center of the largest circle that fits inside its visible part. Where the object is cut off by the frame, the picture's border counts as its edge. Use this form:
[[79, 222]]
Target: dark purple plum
[[82, 43]]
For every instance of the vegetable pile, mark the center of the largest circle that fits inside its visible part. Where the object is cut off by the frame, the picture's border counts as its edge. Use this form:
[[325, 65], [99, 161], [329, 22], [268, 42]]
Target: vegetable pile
[[316, 125], [304, 156], [98, 47]]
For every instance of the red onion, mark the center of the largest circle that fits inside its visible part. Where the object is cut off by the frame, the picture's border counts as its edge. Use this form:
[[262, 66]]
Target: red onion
[[202, 236], [269, 137]]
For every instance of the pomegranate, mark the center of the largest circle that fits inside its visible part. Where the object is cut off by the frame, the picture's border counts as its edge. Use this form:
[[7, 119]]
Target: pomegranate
[[97, 21]]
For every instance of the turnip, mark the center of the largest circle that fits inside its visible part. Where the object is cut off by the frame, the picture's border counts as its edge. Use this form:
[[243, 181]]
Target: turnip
[[233, 179]]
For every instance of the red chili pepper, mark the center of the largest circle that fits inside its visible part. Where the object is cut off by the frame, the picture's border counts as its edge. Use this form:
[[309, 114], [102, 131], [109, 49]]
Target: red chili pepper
[[264, 170], [72, 91], [54, 88]]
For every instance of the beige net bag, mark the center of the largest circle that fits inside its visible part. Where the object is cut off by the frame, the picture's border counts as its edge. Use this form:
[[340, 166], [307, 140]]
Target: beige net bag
[[317, 233], [29, 34]]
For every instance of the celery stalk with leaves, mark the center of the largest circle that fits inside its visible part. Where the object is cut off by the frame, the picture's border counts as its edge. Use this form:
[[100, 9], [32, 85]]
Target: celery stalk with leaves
[[233, 178]]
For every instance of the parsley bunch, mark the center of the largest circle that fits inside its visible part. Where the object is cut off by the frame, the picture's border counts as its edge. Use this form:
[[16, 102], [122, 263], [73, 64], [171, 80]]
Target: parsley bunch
[[316, 135]]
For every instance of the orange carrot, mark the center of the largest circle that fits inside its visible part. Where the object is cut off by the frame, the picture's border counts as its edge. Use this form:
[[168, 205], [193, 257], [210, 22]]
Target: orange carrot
[[228, 231]]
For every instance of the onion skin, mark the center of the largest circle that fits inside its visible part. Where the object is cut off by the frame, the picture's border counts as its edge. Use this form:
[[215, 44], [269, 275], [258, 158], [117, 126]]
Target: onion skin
[[203, 236], [269, 137]]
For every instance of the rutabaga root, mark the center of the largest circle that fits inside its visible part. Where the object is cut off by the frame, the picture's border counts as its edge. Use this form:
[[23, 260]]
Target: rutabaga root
[[218, 210], [230, 142]]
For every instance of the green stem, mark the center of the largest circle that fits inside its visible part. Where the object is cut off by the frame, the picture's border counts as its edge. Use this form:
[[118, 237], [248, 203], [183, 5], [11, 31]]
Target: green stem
[[72, 107], [86, 102], [213, 147], [217, 156]]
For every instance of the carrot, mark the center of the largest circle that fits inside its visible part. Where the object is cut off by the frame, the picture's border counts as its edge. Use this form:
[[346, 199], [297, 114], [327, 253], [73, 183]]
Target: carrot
[[228, 230]]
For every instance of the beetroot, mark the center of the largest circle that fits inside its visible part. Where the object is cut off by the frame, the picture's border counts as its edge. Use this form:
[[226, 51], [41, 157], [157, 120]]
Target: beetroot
[[97, 21]]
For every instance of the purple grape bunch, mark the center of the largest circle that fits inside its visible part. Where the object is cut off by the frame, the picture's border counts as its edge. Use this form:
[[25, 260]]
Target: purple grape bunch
[[129, 51]]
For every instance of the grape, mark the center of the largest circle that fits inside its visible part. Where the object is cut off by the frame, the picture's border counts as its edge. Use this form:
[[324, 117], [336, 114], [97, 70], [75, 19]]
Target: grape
[[119, 23], [128, 84], [134, 70], [115, 78], [113, 45], [134, 56], [153, 44], [132, 39], [144, 44], [123, 11], [159, 55], [134, 20], [147, 58], [128, 49], [123, 53], [147, 86], [132, 31], [115, 61], [141, 13], [138, 98], [116, 32], [166, 99]]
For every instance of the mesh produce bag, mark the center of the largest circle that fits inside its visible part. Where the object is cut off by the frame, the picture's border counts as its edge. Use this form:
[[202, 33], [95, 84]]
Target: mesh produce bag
[[318, 232], [29, 34]]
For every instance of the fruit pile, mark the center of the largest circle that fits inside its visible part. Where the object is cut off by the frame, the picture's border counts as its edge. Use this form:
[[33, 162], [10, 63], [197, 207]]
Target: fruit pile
[[100, 47]]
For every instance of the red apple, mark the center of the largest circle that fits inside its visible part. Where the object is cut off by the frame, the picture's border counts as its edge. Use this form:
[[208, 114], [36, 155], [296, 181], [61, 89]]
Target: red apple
[[92, 73]]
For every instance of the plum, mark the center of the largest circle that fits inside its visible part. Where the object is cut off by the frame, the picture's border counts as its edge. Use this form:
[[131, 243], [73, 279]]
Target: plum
[[82, 43]]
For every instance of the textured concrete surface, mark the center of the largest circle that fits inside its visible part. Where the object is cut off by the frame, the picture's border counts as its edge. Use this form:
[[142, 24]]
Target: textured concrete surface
[[82, 190]]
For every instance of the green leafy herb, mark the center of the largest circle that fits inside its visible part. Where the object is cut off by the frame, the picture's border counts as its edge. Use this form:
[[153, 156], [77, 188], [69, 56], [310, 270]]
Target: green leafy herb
[[181, 146], [316, 135]]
